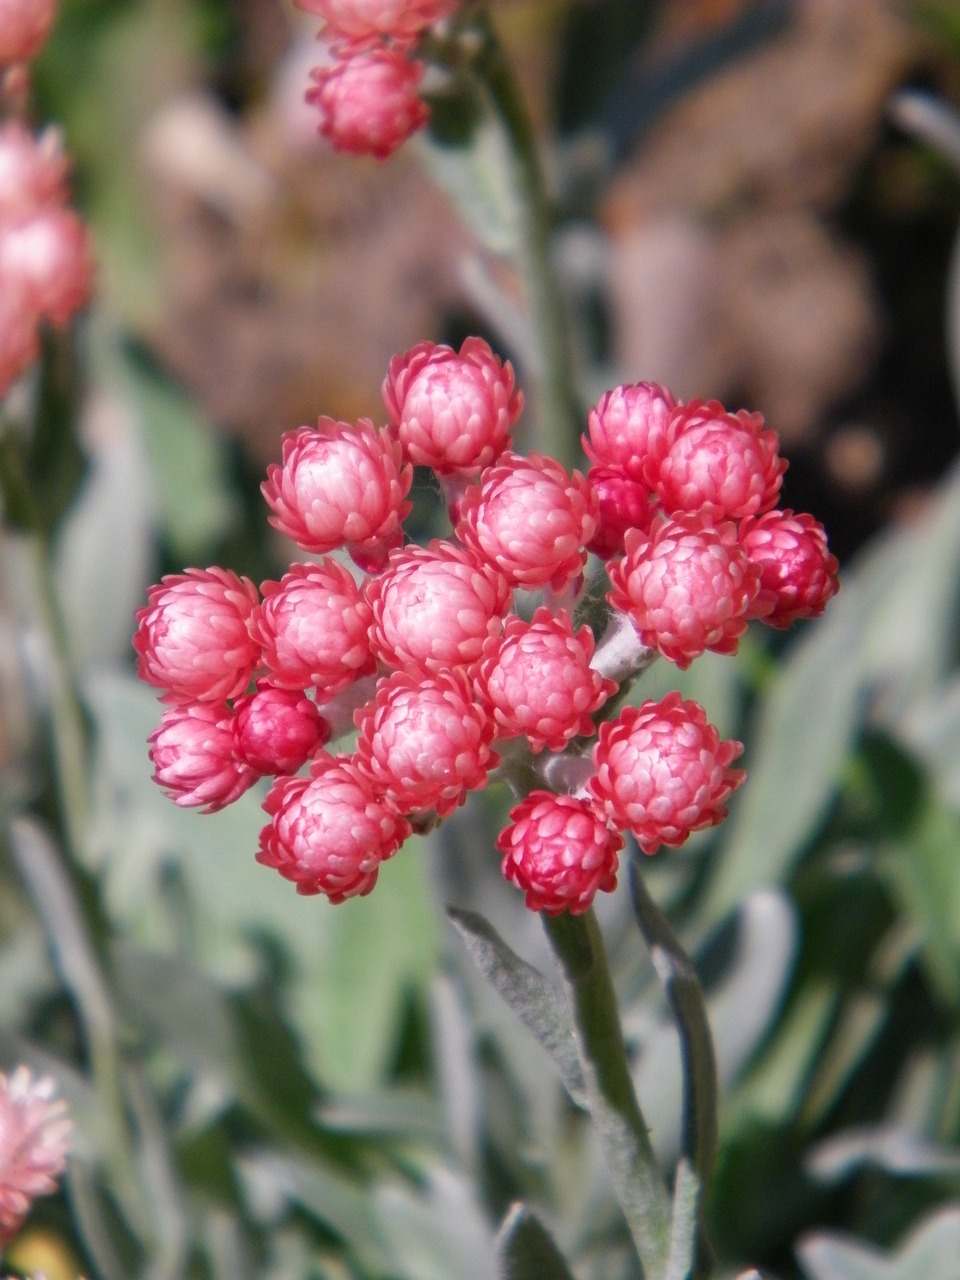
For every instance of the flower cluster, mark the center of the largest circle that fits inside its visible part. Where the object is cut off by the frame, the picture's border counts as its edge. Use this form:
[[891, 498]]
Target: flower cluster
[[34, 1140], [368, 92], [45, 256], [422, 651]]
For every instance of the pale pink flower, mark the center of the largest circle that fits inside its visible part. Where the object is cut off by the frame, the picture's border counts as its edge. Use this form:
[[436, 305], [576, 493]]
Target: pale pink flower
[[624, 503], [424, 741], [401, 21], [452, 412], [330, 832], [720, 465], [662, 771], [433, 607], [313, 628], [33, 171], [193, 637], [193, 757], [687, 587], [538, 681], [276, 730], [560, 852], [369, 101], [49, 256], [34, 1142], [628, 429], [798, 574], [341, 485], [24, 27], [530, 519]]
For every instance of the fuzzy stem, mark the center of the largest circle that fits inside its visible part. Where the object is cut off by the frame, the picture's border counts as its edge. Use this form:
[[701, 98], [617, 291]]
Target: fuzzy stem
[[615, 1112]]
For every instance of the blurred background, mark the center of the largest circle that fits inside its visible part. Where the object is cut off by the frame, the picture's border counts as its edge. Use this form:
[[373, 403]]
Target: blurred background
[[757, 201]]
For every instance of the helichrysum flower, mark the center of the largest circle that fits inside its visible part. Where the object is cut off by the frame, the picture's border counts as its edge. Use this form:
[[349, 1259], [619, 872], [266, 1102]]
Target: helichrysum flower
[[798, 575], [452, 411], [24, 26], [330, 832], [623, 503], [687, 587], [434, 607], [400, 21], [193, 638], [276, 730], [538, 681], [627, 428], [194, 760], [559, 850], [34, 1141], [662, 772], [33, 172], [369, 100], [49, 257]]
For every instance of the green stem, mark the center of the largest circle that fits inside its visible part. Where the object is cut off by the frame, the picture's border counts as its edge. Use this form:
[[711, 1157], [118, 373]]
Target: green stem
[[699, 1132], [614, 1110], [558, 404]]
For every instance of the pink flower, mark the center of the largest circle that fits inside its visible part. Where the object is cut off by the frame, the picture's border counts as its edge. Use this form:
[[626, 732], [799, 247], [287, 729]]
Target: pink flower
[[24, 26], [33, 171], [276, 730], [424, 742], [687, 587], [433, 607], [538, 681], [193, 757], [628, 429], [34, 1141], [313, 628], [452, 412], [560, 851], [624, 503], [530, 519], [49, 256], [662, 771], [330, 832], [721, 465], [369, 101], [401, 21], [19, 345], [340, 485], [798, 575], [193, 638]]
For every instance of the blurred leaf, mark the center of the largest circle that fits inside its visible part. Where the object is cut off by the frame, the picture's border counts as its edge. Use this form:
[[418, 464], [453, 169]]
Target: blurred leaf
[[525, 1250], [477, 180], [538, 1004], [437, 1233], [932, 1252], [898, 1151]]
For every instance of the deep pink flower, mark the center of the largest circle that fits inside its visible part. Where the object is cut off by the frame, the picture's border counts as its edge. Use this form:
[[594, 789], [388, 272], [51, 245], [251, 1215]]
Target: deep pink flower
[[369, 100], [720, 465], [624, 503], [24, 27], [662, 771], [193, 637], [49, 256], [340, 485], [452, 412], [401, 21], [560, 851], [530, 519], [425, 742], [313, 628], [33, 171], [628, 429], [433, 607], [276, 730], [330, 832], [798, 574], [34, 1142], [538, 681], [687, 587], [193, 757]]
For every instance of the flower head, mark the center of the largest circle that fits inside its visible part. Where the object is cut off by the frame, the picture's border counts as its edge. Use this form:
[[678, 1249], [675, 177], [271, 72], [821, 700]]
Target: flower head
[[193, 637], [34, 1141], [624, 503], [193, 757], [340, 485], [798, 575], [24, 27], [400, 21], [276, 730], [530, 519], [49, 257], [452, 412], [33, 172], [628, 428], [330, 832], [560, 851], [662, 771], [369, 101]]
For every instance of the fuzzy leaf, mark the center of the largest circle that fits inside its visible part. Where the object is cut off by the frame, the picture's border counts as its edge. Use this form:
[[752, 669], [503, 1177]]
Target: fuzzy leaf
[[526, 1251], [931, 1251]]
